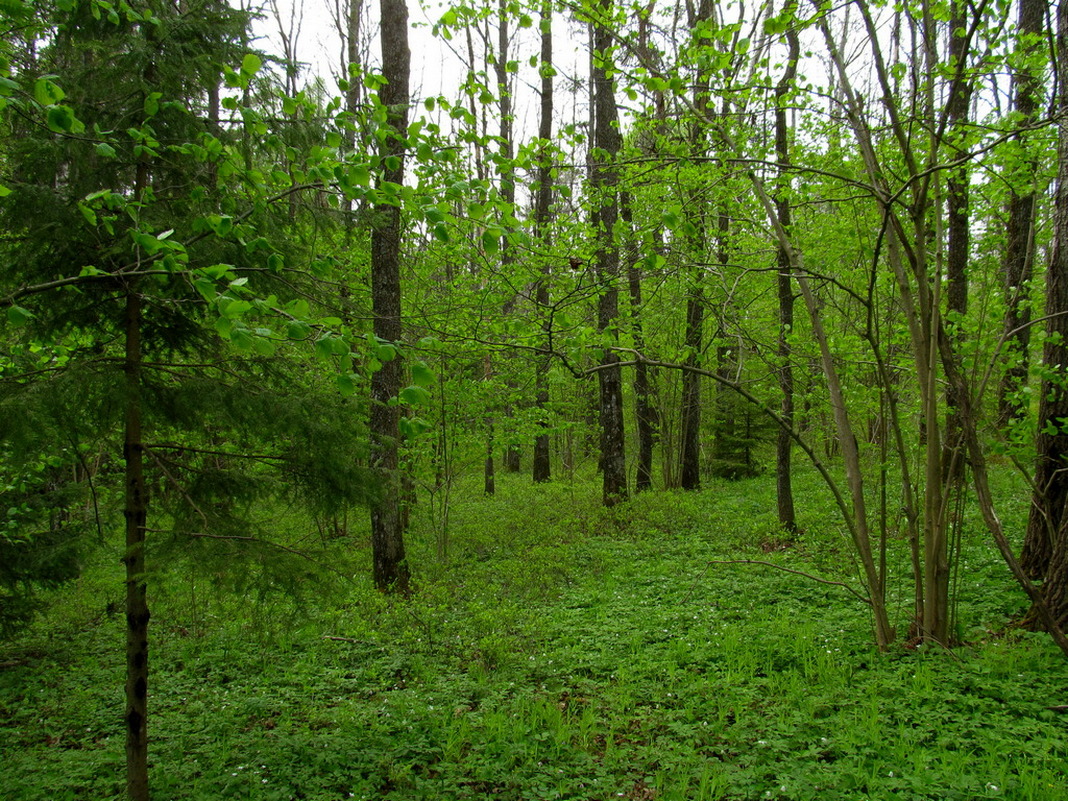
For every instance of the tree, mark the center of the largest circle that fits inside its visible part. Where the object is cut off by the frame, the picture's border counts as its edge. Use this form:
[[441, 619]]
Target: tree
[[1023, 175], [391, 572], [604, 180], [784, 283], [541, 465], [1045, 552], [145, 286]]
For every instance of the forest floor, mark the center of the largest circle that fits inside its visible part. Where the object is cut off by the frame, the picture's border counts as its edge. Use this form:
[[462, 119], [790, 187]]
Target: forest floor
[[561, 652]]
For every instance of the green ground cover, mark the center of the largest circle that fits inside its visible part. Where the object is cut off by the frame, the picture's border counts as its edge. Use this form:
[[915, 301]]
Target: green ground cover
[[563, 652]]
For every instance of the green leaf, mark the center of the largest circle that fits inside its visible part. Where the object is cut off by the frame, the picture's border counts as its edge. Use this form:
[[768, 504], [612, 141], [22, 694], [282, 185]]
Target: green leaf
[[385, 352], [250, 64], [422, 375], [298, 329], [414, 396], [47, 93], [221, 225], [4, 191], [16, 315], [61, 119], [346, 384], [263, 345], [105, 150]]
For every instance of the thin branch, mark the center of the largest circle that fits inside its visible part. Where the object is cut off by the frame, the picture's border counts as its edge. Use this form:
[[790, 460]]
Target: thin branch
[[784, 569]]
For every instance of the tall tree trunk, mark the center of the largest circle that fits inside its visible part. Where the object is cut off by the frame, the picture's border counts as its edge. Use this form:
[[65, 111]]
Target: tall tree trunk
[[511, 449], [542, 470], [1047, 534], [1047, 519], [135, 511], [644, 409], [1020, 245], [957, 200], [784, 284], [606, 140], [391, 572], [693, 336]]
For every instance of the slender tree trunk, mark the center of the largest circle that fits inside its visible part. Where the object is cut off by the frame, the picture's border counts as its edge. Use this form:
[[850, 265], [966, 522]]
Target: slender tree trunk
[[785, 289], [543, 200], [690, 419], [391, 572], [644, 410], [693, 336], [136, 513], [1020, 245], [511, 458], [957, 201], [606, 139]]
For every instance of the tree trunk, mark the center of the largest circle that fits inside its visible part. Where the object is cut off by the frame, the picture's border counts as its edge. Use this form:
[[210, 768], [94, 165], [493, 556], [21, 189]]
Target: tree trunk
[[644, 410], [606, 139], [784, 491], [391, 572], [960, 92], [690, 418], [1046, 530], [542, 470], [135, 512], [1019, 245]]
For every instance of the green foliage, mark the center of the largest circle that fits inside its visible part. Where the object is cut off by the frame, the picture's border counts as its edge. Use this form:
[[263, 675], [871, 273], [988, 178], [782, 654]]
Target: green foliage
[[567, 652], [40, 534]]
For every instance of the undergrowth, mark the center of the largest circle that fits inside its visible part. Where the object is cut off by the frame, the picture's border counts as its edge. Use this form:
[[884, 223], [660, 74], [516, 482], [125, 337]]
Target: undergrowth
[[562, 651]]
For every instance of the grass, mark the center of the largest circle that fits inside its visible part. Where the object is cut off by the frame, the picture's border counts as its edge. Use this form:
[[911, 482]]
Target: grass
[[564, 652]]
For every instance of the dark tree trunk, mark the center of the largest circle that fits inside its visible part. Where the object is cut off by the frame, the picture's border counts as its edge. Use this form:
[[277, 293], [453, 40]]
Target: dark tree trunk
[[606, 139], [542, 470], [784, 285], [1047, 528], [690, 419], [391, 572], [1019, 245], [136, 513]]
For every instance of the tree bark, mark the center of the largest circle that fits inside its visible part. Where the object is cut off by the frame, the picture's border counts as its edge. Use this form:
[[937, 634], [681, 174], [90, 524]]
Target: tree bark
[[542, 469], [1047, 535], [957, 201], [606, 140], [1046, 524], [391, 572], [690, 419], [1019, 245], [135, 511], [784, 492], [644, 409]]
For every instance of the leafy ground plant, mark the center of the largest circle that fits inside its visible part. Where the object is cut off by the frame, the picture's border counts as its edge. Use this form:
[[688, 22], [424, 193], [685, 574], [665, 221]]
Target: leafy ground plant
[[575, 653]]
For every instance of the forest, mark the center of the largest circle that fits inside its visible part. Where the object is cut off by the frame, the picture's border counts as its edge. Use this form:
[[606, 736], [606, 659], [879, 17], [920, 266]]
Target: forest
[[571, 399]]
